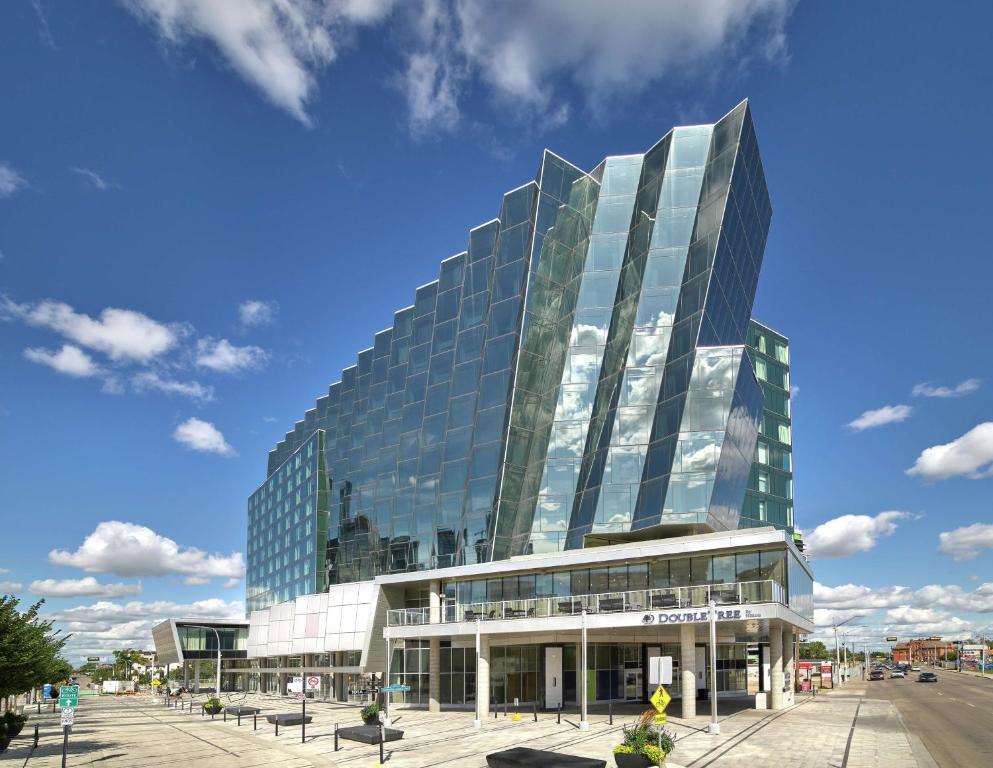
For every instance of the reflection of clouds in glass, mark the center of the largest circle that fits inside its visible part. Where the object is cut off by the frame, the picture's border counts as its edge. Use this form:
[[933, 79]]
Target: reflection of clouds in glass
[[633, 425], [575, 403], [584, 366], [699, 459], [586, 335], [713, 369], [640, 387]]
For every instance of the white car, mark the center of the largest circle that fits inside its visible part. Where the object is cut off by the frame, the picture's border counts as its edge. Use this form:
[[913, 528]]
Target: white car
[[897, 673], [915, 669]]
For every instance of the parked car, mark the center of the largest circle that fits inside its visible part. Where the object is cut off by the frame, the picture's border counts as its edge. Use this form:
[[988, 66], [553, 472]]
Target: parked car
[[927, 677], [876, 674], [897, 673]]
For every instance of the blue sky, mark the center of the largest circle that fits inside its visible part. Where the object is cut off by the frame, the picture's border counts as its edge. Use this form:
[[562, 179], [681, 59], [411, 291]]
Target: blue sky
[[195, 227]]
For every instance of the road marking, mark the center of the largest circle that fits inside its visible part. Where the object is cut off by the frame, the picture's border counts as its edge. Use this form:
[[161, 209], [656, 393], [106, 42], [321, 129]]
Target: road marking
[[971, 704]]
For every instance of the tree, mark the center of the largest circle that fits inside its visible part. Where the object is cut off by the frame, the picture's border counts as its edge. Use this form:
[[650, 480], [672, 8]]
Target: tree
[[814, 650], [29, 650]]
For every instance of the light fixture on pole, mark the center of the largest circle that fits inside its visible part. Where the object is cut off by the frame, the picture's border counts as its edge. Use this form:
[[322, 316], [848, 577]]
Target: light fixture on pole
[[837, 650], [218, 636]]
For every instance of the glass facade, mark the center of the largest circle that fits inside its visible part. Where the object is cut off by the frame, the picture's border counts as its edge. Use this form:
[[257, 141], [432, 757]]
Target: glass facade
[[580, 368], [769, 500], [288, 529]]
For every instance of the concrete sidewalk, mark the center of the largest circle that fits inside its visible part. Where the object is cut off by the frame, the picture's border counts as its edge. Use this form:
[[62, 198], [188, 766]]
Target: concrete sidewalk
[[841, 728]]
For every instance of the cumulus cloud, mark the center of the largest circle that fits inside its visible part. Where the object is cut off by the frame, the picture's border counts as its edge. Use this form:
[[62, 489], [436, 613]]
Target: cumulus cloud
[[10, 180], [970, 455], [199, 435], [888, 414], [449, 46], [278, 46], [151, 381], [222, 356], [10, 587], [126, 549], [121, 334], [95, 179], [966, 387], [849, 534], [70, 360], [256, 312], [84, 587], [966, 542], [104, 626]]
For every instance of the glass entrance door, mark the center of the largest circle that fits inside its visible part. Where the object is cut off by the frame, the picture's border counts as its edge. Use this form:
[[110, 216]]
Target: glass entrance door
[[632, 684]]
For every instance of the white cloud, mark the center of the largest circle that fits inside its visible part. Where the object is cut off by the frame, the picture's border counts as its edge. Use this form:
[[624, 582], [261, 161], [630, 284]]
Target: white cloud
[[121, 334], [276, 45], [527, 54], [126, 549], [94, 178], [256, 312], [966, 387], [888, 414], [70, 360], [151, 381], [970, 455], [222, 356], [846, 535], [10, 587], [232, 583], [10, 180], [202, 436], [84, 587], [966, 542], [44, 31], [103, 627]]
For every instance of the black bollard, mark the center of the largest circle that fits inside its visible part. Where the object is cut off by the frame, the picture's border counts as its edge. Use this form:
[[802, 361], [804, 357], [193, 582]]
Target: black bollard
[[496, 713], [534, 708], [559, 719], [225, 715], [277, 727], [335, 736], [610, 711], [239, 717], [382, 741], [39, 707], [35, 737], [303, 722], [504, 707], [255, 722]]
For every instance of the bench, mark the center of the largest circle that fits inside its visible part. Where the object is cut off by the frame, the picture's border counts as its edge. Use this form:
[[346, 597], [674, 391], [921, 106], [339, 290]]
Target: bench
[[368, 734], [289, 718], [523, 757], [239, 710]]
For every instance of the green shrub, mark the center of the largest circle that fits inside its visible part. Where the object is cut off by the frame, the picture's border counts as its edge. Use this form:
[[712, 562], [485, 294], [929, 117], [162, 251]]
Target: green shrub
[[370, 712]]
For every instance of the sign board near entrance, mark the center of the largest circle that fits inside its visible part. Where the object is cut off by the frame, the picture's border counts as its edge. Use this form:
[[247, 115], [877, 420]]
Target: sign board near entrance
[[313, 683], [68, 716], [660, 670]]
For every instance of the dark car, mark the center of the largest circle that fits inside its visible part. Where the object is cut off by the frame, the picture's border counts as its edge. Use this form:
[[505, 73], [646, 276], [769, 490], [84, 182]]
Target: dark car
[[927, 677], [877, 674]]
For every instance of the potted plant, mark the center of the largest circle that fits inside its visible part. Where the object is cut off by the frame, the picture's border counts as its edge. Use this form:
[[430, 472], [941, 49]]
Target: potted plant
[[10, 725], [370, 714], [212, 706], [644, 744]]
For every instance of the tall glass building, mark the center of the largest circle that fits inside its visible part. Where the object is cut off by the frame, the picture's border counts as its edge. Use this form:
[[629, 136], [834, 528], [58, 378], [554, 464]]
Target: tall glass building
[[581, 370], [573, 441]]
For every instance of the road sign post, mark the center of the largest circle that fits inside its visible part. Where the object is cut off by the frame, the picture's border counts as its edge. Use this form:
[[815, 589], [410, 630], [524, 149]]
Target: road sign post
[[69, 696]]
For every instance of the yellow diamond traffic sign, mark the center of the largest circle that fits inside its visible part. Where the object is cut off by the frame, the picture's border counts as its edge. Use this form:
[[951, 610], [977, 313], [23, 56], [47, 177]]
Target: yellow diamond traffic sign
[[660, 699]]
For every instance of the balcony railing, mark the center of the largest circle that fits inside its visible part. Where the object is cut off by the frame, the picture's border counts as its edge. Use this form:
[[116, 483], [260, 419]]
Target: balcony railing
[[639, 600]]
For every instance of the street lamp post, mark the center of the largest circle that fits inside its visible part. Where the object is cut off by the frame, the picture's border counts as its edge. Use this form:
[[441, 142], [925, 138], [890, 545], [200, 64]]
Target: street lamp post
[[837, 649], [218, 636]]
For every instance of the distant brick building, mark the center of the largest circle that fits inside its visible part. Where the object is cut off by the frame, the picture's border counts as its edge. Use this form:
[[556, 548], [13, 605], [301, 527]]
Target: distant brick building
[[922, 650]]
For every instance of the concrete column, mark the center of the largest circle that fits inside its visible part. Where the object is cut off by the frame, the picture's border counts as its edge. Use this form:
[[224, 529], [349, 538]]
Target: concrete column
[[434, 674], [196, 674], [776, 665], [687, 668], [434, 610], [483, 677], [789, 664], [584, 723], [186, 674]]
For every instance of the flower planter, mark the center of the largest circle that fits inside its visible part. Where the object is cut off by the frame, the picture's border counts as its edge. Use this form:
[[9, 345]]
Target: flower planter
[[632, 760], [371, 720]]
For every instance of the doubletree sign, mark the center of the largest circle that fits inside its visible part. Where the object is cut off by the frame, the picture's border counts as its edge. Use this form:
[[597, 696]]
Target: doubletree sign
[[891, 639]]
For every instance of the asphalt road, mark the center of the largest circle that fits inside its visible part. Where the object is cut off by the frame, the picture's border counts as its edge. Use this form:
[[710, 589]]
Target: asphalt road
[[953, 717]]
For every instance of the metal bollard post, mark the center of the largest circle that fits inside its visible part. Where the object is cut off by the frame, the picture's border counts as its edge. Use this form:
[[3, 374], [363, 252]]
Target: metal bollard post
[[534, 708], [558, 721], [255, 722], [35, 737], [239, 717], [496, 711], [277, 727], [303, 722], [382, 740], [610, 711], [504, 707], [39, 706], [335, 737], [225, 715]]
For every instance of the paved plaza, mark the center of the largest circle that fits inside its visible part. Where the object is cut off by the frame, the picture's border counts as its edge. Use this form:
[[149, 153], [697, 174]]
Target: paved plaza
[[834, 729]]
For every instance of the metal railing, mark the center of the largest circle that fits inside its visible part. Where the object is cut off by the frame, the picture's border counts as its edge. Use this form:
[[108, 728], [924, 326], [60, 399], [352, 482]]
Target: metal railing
[[639, 600]]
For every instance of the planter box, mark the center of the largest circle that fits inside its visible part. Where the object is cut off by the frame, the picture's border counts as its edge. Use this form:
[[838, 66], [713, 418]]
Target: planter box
[[632, 760]]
